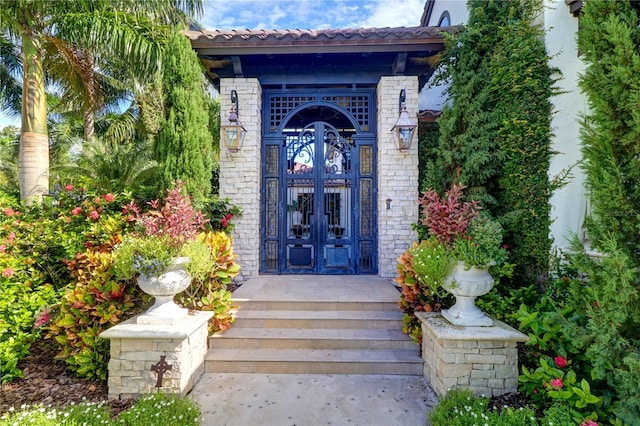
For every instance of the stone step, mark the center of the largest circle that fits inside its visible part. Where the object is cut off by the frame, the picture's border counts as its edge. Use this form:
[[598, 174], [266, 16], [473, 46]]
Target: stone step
[[314, 361], [319, 319], [307, 305], [316, 338]]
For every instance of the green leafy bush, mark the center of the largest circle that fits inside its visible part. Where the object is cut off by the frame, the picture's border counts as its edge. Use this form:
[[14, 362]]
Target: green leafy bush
[[95, 302], [209, 292]]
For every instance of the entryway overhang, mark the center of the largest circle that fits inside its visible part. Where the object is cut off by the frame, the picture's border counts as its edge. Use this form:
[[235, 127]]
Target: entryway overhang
[[345, 56]]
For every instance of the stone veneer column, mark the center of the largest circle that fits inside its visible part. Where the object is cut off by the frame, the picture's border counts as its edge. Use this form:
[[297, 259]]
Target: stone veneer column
[[136, 347], [240, 171], [481, 359], [397, 175]]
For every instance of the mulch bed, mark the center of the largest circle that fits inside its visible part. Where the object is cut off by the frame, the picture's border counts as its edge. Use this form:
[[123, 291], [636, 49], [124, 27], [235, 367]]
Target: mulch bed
[[48, 381]]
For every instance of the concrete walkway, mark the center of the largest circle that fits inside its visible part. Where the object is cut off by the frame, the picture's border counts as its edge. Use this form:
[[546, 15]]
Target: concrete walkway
[[260, 399], [313, 399]]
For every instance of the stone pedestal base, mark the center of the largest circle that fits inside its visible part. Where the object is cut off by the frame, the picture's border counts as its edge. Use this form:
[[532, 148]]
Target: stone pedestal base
[[135, 348], [481, 359]]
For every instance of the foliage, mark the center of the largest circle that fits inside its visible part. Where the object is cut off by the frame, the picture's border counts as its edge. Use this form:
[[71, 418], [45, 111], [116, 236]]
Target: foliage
[[95, 302], [460, 408], [464, 233], [150, 410], [607, 295], [221, 213], [415, 295], [210, 292], [183, 147], [35, 242], [495, 134], [168, 231], [110, 167], [447, 217], [431, 263], [9, 158]]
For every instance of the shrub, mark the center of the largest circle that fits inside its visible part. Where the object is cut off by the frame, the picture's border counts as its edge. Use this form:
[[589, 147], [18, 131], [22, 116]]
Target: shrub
[[210, 292], [94, 303]]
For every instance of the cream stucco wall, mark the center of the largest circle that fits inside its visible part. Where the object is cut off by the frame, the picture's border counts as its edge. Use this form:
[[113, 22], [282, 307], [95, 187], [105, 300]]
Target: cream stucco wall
[[568, 203]]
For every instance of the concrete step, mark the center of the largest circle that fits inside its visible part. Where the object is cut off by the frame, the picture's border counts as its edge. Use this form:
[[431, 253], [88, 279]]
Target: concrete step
[[314, 361], [319, 319], [316, 338], [310, 305]]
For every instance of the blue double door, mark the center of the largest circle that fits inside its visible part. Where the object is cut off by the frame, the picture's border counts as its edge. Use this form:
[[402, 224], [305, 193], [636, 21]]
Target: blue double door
[[319, 199]]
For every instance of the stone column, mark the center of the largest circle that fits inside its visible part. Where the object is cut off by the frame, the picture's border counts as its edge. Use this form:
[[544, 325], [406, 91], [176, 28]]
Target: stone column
[[397, 175], [136, 347], [240, 171], [481, 359]]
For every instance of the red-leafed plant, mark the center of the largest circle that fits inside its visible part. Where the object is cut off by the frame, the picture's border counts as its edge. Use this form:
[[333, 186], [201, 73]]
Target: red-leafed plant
[[447, 217]]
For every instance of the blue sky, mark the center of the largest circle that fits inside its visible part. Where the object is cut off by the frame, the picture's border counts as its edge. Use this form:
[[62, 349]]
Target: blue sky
[[301, 14]]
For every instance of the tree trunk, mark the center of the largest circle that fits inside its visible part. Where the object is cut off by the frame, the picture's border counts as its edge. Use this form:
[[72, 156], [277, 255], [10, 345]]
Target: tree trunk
[[34, 141]]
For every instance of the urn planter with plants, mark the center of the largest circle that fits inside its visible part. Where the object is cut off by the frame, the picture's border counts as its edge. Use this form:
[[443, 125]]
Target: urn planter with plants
[[463, 244], [165, 254]]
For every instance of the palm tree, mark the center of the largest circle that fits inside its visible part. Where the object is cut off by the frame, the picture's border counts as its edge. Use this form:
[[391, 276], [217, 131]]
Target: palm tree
[[70, 37]]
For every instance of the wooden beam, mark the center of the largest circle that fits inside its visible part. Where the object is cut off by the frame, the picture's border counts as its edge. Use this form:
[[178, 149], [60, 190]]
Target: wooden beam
[[237, 66], [400, 63]]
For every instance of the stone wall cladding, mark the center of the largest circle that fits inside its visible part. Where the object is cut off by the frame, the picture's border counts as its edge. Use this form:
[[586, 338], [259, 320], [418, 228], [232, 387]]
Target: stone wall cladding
[[453, 358], [397, 175], [240, 171], [135, 348]]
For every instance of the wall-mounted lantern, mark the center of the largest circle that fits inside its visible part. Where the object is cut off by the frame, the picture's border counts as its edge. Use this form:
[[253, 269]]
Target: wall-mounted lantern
[[233, 133], [404, 128]]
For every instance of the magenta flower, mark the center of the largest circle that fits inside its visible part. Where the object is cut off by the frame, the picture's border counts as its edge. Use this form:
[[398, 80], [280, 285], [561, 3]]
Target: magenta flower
[[76, 211], [556, 383], [560, 361], [94, 215], [42, 318], [68, 187], [589, 423]]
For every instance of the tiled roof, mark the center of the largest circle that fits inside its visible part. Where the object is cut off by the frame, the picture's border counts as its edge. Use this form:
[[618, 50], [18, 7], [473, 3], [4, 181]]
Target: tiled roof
[[312, 36]]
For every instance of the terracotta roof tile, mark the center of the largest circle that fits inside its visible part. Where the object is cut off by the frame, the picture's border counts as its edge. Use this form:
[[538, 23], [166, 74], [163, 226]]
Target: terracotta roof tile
[[222, 36]]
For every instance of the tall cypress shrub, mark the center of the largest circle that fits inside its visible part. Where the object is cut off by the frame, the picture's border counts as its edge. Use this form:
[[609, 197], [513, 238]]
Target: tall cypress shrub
[[607, 300], [183, 147], [495, 134]]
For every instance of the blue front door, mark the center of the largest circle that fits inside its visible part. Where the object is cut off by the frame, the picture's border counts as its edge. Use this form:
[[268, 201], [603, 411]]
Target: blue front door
[[319, 195]]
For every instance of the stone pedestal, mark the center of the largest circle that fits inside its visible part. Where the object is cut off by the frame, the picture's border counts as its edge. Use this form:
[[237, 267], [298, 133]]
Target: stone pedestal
[[481, 359], [136, 348]]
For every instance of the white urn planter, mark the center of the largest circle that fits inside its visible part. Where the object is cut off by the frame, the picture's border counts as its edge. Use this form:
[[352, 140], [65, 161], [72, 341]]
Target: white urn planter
[[466, 284], [164, 288]]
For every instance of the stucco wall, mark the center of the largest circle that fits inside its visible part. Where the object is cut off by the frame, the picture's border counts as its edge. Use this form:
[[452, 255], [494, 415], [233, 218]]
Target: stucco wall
[[240, 171], [397, 175], [568, 204]]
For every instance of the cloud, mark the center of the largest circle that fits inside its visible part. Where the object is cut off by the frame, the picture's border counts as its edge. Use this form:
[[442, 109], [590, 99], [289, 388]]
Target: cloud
[[310, 14]]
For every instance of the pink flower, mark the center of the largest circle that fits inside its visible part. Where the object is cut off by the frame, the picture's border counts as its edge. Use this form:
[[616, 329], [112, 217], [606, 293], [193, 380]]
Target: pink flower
[[94, 215], [97, 200], [76, 211], [68, 187], [8, 272], [560, 361], [556, 383], [11, 237], [3, 248], [109, 197], [588, 423]]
